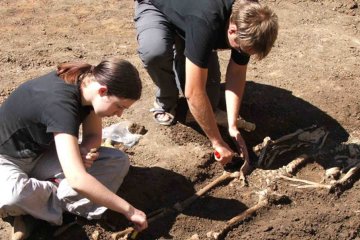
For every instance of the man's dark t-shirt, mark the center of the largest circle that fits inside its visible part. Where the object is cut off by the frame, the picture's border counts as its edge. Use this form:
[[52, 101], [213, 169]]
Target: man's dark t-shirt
[[203, 25], [34, 111]]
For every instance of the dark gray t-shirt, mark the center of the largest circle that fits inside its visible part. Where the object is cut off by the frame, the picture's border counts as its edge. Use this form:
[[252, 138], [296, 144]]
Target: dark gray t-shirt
[[37, 109], [203, 25]]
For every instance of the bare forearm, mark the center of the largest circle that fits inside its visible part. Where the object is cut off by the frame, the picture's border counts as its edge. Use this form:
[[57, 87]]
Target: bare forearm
[[199, 104], [91, 141], [200, 107], [235, 85], [233, 103], [80, 180], [92, 132], [92, 189]]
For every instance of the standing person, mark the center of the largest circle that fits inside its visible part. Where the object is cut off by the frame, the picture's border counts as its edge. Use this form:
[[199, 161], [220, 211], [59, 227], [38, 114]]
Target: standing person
[[43, 169], [197, 29]]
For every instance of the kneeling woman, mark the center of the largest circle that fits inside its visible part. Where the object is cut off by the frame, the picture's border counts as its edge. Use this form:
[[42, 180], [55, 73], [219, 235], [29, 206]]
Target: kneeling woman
[[43, 169]]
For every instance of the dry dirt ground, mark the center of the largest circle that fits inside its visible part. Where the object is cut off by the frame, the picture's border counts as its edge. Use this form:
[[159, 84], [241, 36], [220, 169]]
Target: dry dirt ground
[[310, 77]]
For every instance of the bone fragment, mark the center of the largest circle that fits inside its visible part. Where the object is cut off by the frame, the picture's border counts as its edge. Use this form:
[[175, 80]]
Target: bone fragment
[[244, 170], [332, 173], [295, 164], [118, 235], [225, 176], [335, 186], [348, 176], [308, 184], [262, 202], [247, 126], [95, 235], [257, 149], [151, 218], [107, 143], [194, 237]]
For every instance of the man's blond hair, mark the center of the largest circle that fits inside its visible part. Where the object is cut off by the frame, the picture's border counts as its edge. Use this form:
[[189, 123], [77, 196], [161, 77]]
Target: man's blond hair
[[257, 26]]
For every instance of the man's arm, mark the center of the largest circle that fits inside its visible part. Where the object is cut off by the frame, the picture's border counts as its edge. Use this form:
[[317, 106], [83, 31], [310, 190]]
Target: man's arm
[[235, 85], [200, 107]]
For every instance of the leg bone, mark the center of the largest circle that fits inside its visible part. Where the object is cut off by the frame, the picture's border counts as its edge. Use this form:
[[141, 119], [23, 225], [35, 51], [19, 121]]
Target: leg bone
[[184, 204]]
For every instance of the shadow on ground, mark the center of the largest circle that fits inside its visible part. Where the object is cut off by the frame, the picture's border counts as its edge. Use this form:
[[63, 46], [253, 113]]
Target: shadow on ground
[[147, 189], [154, 188], [276, 112]]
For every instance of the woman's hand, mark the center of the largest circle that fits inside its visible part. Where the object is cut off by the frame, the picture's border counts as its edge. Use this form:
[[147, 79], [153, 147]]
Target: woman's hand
[[138, 218], [88, 156]]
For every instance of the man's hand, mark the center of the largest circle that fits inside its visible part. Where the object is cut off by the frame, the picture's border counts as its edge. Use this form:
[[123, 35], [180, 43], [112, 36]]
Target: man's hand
[[234, 132], [246, 168], [225, 152], [88, 156]]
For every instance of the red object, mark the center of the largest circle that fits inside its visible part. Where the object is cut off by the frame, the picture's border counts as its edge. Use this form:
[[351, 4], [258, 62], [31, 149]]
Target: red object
[[56, 181], [217, 154]]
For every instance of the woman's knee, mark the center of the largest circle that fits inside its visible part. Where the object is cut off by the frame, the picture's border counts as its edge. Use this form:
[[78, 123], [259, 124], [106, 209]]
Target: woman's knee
[[123, 162], [14, 195], [115, 160]]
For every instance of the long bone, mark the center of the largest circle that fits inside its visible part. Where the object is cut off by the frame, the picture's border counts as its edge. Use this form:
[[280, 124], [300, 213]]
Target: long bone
[[180, 206], [347, 179], [266, 197], [152, 217], [335, 186]]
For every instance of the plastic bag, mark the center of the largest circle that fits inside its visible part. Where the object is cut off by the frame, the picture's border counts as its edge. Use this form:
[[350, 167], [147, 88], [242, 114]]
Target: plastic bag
[[120, 133]]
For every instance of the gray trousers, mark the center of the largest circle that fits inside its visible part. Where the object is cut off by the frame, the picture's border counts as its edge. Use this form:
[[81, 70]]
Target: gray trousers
[[25, 190], [162, 53]]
